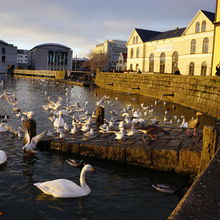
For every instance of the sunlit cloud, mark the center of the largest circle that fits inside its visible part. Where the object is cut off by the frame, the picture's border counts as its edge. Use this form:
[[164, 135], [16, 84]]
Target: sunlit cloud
[[83, 24]]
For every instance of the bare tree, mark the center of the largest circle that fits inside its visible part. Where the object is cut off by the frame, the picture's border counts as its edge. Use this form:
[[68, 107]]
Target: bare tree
[[97, 61]]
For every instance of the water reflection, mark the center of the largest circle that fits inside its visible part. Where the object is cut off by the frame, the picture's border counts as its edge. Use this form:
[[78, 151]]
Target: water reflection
[[118, 191]]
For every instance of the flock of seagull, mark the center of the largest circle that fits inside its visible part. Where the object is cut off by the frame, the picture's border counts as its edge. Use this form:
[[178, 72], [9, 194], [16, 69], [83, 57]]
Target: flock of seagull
[[76, 119]]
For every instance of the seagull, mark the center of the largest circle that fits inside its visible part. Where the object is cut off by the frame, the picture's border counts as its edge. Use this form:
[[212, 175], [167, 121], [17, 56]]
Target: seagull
[[30, 147], [54, 105]]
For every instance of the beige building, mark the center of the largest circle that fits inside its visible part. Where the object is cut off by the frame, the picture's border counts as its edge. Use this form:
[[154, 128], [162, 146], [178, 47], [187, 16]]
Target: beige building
[[112, 49], [121, 63], [189, 49]]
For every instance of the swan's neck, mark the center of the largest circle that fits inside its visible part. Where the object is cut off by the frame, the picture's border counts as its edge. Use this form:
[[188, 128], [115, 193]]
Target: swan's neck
[[83, 181], [184, 120]]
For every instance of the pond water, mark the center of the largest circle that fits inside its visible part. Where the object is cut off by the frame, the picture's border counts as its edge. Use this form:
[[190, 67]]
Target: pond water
[[117, 191]]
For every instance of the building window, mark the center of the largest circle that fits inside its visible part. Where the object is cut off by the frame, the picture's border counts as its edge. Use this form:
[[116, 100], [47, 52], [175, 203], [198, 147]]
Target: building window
[[3, 50], [132, 52], [174, 62], [191, 68], [162, 62], [203, 26], [151, 63], [3, 59], [137, 67], [203, 68], [131, 67], [136, 39], [138, 52], [197, 30], [205, 46], [193, 47]]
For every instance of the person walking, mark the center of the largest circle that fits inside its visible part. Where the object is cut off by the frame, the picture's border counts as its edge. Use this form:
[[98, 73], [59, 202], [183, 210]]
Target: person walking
[[217, 70], [177, 72]]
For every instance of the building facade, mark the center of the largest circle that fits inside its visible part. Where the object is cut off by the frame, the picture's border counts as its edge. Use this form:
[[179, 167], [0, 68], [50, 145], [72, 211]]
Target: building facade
[[22, 59], [8, 56], [188, 49], [216, 50], [50, 56], [121, 64], [112, 49]]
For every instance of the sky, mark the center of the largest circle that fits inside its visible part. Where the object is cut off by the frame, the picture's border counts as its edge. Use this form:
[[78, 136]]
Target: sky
[[81, 24]]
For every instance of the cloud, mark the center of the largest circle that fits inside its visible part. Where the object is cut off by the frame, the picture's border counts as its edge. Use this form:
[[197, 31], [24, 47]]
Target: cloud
[[82, 24]]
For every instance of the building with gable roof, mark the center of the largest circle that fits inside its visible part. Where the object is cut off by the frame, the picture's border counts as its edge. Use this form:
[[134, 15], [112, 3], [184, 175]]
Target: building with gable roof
[[8, 56], [121, 63], [188, 49], [216, 46]]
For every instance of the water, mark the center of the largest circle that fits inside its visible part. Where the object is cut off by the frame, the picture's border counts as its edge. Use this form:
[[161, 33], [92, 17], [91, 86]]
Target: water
[[118, 191]]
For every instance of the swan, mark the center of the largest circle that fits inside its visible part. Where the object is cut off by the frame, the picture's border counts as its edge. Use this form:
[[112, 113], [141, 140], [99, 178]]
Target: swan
[[184, 124], [59, 122], [30, 146], [64, 188], [3, 157]]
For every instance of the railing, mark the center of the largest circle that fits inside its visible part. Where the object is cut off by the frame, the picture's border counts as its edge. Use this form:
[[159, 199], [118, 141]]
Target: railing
[[41, 73]]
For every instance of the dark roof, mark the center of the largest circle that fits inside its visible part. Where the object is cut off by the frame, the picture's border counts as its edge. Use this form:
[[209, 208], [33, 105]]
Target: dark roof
[[210, 15], [3, 42], [145, 35], [124, 55], [169, 34], [51, 44]]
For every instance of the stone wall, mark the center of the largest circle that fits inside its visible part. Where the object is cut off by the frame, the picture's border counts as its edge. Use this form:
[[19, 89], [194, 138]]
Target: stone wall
[[197, 92]]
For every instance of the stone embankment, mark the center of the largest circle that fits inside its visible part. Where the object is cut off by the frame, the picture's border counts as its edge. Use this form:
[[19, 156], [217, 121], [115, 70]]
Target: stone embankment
[[201, 93], [174, 152]]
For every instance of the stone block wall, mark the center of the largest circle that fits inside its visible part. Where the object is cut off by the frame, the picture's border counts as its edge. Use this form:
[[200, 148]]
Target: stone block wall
[[197, 92]]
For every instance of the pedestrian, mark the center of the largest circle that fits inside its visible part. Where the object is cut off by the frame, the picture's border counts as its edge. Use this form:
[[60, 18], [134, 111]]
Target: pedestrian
[[29, 125], [217, 70], [177, 72]]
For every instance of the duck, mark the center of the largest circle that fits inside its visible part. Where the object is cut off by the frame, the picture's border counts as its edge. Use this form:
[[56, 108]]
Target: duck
[[194, 123], [3, 157], [151, 131], [74, 163], [64, 188], [3, 127], [164, 188], [30, 146]]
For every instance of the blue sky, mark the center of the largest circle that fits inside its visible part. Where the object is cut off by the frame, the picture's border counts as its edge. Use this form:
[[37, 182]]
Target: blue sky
[[81, 24]]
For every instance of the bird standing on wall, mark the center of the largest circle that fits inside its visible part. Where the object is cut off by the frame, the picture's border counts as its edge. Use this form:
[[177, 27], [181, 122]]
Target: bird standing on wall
[[194, 123], [151, 131]]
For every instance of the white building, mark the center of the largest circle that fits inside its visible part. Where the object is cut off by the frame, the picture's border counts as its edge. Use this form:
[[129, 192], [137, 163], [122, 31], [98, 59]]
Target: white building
[[121, 64], [22, 59], [111, 48]]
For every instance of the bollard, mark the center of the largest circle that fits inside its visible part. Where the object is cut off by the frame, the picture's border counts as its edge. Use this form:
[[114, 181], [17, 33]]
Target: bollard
[[209, 146], [100, 115], [29, 125]]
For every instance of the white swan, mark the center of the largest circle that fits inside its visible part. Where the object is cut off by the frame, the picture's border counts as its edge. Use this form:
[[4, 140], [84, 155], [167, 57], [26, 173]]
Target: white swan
[[3, 157], [59, 122], [64, 188], [30, 147]]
